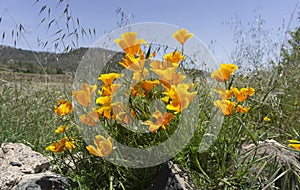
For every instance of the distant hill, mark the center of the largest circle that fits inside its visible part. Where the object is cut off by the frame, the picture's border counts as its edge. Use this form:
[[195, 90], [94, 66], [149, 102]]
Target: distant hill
[[19, 60], [25, 61]]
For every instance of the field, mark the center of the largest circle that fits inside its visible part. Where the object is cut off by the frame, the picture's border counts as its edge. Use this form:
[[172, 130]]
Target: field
[[27, 116], [27, 107], [251, 149]]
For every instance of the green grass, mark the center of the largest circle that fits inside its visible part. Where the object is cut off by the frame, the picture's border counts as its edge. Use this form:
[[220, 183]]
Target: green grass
[[26, 112], [27, 116]]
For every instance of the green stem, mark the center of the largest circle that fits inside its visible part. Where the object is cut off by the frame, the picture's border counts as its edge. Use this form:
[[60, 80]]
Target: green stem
[[111, 182], [200, 168]]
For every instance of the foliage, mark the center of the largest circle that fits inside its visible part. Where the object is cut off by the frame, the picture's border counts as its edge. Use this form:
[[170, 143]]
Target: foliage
[[27, 115], [18, 60]]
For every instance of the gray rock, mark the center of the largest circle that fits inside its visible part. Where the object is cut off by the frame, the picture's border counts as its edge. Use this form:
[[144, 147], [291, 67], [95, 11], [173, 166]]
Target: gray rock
[[271, 147], [172, 177], [42, 181], [272, 151], [19, 163]]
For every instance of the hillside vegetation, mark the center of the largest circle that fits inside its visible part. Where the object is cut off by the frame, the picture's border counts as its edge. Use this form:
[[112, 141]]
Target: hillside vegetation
[[18, 60]]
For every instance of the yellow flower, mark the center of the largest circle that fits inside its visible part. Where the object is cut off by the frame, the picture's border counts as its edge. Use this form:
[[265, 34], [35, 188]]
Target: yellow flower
[[64, 107], [123, 117], [158, 65], [243, 93], [182, 35], [129, 59], [267, 119], [104, 100], [129, 43], [84, 95], [61, 129], [174, 58], [64, 144], [161, 121], [121, 114], [143, 88], [109, 90], [180, 97], [239, 108], [224, 72], [294, 144], [109, 78], [105, 111], [224, 94], [103, 146], [139, 70], [90, 119], [169, 76], [226, 106]]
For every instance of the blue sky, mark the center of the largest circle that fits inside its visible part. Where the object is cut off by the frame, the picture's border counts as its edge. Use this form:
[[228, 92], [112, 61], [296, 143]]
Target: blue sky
[[209, 20]]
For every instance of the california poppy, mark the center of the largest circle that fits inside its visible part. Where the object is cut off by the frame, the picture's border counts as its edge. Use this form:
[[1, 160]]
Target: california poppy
[[103, 146], [84, 95], [162, 120], [182, 35], [224, 72], [64, 107], [129, 43], [226, 106]]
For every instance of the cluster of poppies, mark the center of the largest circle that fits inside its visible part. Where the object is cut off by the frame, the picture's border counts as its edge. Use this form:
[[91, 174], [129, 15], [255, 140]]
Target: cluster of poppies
[[68, 143], [228, 102], [176, 94], [63, 108]]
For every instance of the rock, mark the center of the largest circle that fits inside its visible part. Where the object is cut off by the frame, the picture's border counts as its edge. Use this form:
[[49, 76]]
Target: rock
[[272, 151], [42, 181], [19, 163], [182, 180], [172, 177], [271, 147]]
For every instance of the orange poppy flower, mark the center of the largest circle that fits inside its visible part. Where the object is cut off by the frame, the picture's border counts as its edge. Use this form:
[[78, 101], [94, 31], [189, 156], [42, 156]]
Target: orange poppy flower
[[129, 43], [174, 57], [226, 106], [64, 107], [129, 59], [243, 93], [61, 129], [180, 97], [244, 110], [84, 95], [161, 121], [143, 88], [104, 100], [125, 117], [105, 111], [158, 65], [224, 72], [109, 78], [169, 76], [90, 119], [139, 70], [182, 35], [103, 146], [64, 144], [140, 75], [294, 144], [109, 90], [224, 94]]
